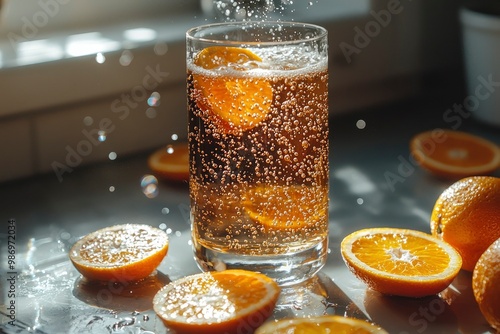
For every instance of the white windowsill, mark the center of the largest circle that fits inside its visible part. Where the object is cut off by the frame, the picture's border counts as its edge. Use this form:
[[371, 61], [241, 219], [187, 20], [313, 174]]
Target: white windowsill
[[62, 68]]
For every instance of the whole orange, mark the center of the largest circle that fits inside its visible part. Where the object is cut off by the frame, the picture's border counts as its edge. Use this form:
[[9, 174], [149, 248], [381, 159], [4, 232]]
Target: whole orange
[[486, 284], [467, 216]]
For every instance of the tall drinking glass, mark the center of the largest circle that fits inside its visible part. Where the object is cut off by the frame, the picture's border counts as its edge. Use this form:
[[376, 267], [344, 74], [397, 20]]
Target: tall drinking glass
[[258, 140]]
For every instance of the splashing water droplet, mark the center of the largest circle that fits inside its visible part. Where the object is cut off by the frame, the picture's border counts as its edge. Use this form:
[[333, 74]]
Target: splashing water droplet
[[360, 201], [360, 124], [126, 58], [123, 323], [112, 155], [165, 211], [100, 58], [149, 185], [174, 136], [101, 135], [151, 113], [161, 48], [170, 149], [111, 189], [162, 226], [87, 120], [154, 99]]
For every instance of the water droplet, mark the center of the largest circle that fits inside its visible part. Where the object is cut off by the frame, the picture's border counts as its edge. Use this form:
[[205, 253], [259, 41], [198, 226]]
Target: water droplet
[[160, 48], [100, 58], [149, 185], [154, 99], [151, 113], [360, 124], [360, 201], [111, 189], [65, 236], [126, 58], [298, 305], [123, 323], [165, 211], [87, 120], [145, 317], [170, 149], [112, 155], [174, 136], [101, 135], [178, 233], [162, 226]]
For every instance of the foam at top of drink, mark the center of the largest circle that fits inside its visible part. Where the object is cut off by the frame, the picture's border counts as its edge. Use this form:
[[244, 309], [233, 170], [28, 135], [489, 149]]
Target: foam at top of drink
[[289, 61]]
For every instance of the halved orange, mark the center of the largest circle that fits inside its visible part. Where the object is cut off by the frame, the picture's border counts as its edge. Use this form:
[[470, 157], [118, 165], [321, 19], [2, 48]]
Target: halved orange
[[237, 101], [230, 301], [455, 154], [401, 262], [128, 252], [320, 324], [286, 207], [171, 162]]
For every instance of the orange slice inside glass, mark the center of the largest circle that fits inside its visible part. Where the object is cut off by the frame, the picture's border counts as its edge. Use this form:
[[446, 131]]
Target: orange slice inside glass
[[320, 324], [238, 101], [128, 252], [286, 207], [455, 154], [400, 261], [230, 301]]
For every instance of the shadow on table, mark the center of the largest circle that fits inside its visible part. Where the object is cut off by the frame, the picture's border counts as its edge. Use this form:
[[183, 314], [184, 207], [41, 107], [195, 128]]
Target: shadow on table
[[410, 315], [315, 297], [120, 296]]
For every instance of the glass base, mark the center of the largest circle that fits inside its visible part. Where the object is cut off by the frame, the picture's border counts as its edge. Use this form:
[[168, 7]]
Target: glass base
[[285, 269]]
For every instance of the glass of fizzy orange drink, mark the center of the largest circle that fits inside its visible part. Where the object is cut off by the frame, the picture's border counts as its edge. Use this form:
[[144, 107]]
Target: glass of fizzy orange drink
[[258, 142]]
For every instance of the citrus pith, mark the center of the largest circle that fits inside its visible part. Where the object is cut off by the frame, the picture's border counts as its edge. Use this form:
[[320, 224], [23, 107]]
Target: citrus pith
[[230, 301], [320, 324], [128, 252], [400, 261], [234, 101], [455, 154]]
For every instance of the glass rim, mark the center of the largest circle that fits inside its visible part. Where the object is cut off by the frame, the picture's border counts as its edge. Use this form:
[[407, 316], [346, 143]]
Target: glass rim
[[321, 32]]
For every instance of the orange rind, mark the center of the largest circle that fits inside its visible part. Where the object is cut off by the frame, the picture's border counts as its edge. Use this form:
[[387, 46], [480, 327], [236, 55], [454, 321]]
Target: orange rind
[[128, 252], [230, 301], [401, 262]]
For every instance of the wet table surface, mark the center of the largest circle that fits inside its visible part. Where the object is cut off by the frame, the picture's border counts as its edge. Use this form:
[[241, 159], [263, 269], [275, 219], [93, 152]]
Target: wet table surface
[[374, 183]]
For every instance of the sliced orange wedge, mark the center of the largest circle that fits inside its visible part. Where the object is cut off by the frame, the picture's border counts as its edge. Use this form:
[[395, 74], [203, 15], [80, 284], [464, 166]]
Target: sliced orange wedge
[[128, 252], [237, 102], [230, 301], [286, 207], [320, 324], [171, 162], [455, 154], [401, 262]]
